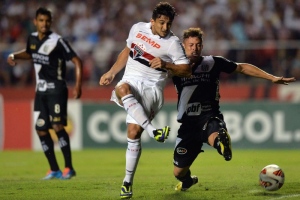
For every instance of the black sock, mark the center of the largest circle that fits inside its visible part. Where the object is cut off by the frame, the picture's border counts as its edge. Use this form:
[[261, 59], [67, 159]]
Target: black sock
[[217, 145], [64, 143], [186, 180], [48, 148]]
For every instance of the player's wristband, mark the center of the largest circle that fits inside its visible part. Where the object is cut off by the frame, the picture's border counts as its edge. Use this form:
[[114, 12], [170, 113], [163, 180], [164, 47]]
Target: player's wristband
[[12, 56]]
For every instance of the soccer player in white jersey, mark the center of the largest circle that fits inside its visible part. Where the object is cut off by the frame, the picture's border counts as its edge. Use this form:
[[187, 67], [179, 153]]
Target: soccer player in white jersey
[[151, 52]]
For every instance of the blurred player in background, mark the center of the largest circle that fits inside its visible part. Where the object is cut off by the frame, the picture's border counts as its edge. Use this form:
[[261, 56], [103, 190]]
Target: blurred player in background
[[49, 53], [151, 52], [198, 106]]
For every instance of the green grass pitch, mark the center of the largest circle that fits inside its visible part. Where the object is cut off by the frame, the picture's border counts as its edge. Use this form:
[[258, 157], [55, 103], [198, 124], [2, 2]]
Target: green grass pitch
[[100, 173]]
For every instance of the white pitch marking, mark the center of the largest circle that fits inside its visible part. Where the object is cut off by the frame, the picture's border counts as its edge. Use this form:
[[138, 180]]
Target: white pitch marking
[[287, 196]]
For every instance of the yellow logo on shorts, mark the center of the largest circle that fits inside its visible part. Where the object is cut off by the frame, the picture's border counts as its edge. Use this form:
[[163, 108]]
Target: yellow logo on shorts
[[56, 119]]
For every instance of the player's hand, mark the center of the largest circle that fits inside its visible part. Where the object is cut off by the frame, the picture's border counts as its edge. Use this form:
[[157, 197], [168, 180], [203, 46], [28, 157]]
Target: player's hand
[[106, 78], [284, 81], [157, 63], [195, 60], [11, 61]]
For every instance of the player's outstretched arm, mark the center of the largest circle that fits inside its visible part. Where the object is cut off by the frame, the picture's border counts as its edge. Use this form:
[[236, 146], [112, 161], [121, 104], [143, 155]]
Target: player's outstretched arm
[[109, 76], [181, 70], [251, 70], [78, 74], [11, 59]]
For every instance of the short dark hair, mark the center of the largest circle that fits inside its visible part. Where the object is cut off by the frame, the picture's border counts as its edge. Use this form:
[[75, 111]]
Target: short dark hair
[[193, 32], [164, 8], [43, 11]]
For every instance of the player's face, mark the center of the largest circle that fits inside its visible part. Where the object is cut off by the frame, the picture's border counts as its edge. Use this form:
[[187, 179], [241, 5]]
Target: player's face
[[42, 23], [193, 48], [161, 26]]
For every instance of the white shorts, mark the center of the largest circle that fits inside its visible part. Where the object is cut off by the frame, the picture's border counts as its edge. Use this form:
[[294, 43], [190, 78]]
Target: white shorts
[[148, 95]]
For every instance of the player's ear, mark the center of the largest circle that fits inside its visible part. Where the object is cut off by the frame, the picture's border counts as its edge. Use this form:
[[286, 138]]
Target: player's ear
[[34, 21], [152, 21], [183, 41]]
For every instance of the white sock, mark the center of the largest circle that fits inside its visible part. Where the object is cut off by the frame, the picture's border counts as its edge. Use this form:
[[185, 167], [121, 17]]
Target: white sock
[[136, 111], [133, 155]]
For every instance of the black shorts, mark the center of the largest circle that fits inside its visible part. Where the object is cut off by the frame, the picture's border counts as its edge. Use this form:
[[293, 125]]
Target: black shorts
[[51, 108], [190, 139]]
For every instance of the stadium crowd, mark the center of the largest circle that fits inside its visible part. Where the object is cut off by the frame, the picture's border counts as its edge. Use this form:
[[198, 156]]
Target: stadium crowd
[[265, 33]]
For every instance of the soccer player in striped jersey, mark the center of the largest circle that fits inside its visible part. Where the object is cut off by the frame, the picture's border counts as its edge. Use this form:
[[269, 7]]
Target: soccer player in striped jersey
[[198, 106], [49, 53]]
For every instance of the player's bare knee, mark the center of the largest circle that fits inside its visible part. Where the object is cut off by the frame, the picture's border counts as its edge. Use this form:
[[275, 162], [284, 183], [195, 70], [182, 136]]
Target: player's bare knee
[[180, 172], [42, 132], [134, 131], [57, 127], [122, 90]]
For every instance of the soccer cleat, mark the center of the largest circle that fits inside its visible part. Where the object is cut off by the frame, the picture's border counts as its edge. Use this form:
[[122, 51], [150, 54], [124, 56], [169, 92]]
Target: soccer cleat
[[126, 191], [179, 187], [53, 175], [161, 135], [225, 144], [68, 173]]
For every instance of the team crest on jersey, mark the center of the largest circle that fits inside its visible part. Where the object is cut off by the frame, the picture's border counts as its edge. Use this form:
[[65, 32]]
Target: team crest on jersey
[[138, 50]]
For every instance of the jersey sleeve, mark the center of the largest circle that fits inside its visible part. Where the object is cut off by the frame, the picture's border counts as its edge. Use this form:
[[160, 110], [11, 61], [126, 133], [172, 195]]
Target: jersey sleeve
[[177, 53], [131, 33], [226, 65], [28, 46], [66, 50]]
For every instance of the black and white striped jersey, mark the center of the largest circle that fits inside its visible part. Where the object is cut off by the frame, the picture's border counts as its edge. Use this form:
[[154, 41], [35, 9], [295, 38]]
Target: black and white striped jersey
[[49, 57], [199, 94]]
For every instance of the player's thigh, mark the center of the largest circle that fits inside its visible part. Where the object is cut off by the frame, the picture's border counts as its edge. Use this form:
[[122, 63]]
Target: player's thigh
[[41, 112], [57, 105], [149, 96], [152, 100]]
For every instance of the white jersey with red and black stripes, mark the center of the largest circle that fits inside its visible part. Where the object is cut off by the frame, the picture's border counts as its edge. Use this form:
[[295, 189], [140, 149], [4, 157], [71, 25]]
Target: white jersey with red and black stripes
[[144, 46]]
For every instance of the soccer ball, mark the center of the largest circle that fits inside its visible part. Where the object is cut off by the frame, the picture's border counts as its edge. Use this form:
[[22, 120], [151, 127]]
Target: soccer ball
[[271, 177]]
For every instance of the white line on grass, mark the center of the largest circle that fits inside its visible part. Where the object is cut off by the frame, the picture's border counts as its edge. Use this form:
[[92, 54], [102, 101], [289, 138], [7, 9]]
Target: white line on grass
[[287, 196]]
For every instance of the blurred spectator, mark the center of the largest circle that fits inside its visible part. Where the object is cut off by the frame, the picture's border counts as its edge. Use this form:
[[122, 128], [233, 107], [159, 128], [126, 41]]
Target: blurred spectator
[[102, 56], [235, 29]]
